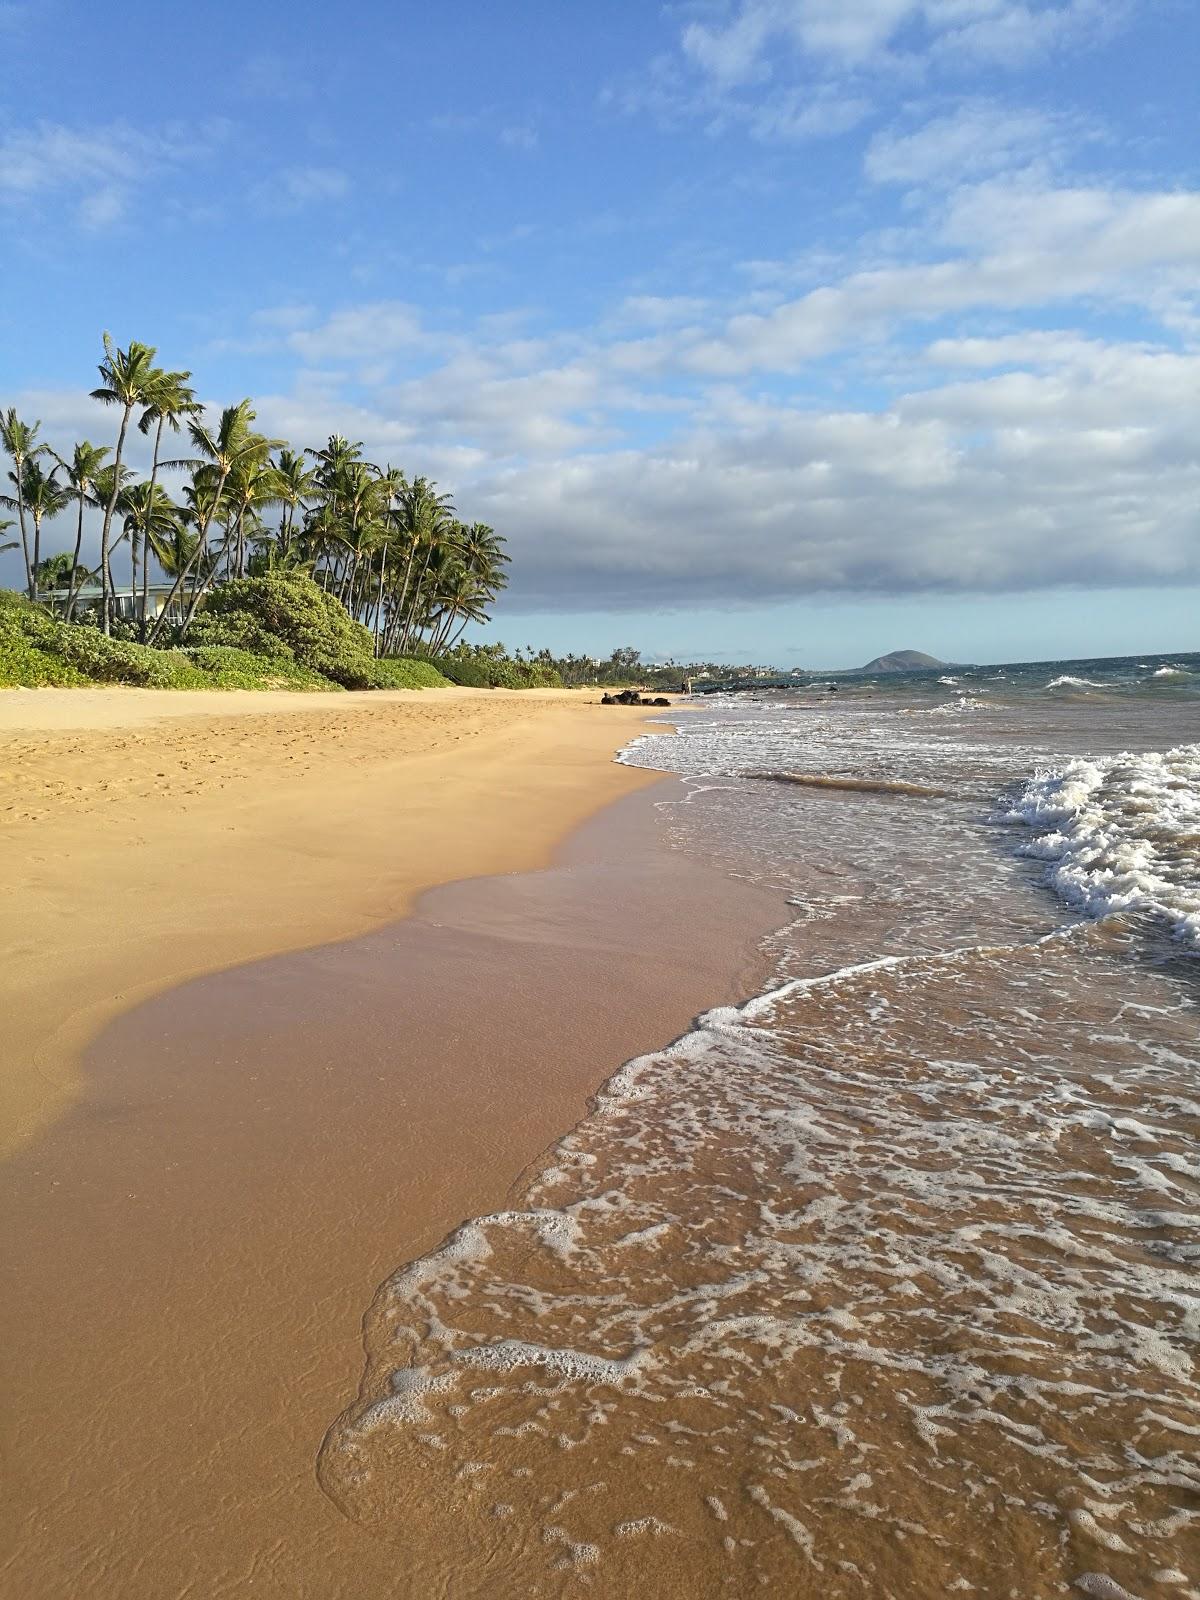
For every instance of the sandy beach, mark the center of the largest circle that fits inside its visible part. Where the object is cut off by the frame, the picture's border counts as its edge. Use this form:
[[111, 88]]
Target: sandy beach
[[239, 1091], [150, 836]]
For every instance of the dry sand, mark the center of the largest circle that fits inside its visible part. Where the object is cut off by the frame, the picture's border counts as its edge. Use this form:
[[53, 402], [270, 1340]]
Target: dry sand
[[206, 1202], [150, 835]]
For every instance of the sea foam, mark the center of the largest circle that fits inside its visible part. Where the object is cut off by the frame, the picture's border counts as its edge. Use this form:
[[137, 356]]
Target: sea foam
[[1122, 834]]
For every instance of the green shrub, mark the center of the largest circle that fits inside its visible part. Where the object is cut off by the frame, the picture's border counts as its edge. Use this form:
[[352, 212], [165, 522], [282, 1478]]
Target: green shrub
[[237, 630], [288, 609], [469, 674], [278, 632], [406, 672], [120, 661], [497, 672], [27, 656], [23, 665], [227, 668]]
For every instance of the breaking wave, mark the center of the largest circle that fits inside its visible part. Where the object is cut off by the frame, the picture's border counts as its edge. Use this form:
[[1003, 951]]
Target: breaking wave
[[1122, 834]]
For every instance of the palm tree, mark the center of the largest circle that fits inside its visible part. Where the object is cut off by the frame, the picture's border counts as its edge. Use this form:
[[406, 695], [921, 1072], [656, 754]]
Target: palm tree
[[149, 515], [252, 487], [221, 451], [175, 547], [461, 593], [170, 402], [483, 552], [20, 442], [129, 379], [41, 494], [60, 571], [85, 463], [424, 519], [9, 544], [297, 483]]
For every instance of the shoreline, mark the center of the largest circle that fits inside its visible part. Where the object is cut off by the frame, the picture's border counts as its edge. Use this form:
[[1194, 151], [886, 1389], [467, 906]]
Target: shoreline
[[152, 836], [197, 1241]]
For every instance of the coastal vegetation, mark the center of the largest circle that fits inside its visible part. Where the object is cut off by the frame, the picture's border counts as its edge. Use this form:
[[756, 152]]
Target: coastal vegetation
[[268, 565], [236, 560], [40, 650]]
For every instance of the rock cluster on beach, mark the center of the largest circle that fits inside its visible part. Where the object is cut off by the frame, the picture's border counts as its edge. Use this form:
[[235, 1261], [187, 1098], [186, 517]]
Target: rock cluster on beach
[[632, 697]]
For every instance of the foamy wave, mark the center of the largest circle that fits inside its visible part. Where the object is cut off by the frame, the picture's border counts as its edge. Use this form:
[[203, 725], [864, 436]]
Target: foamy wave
[[948, 708], [1121, 835], [840, 1267], [1066, 681]]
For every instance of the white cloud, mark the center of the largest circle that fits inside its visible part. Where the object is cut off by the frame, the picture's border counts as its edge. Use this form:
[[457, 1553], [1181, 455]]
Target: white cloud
[[294, 188], [287, 318], [813, 112], [1024, 246], [100, 167], [1078, 467], [103, 208], [519, 136], [681, 451], [659, 311], [802, 69], [975, 140], [382, 327], [1024, 484], [859, 33]]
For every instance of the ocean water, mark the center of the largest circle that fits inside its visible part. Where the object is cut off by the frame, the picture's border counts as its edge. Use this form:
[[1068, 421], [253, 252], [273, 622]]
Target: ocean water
[[884, 1283]]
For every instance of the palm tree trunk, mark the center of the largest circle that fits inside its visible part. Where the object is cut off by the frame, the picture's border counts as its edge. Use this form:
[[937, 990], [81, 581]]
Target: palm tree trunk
[[133, 567], [37, 549], [379, 599], [146, 551], [412, 550], [30, 579], [206, 583], [105, 570], [75, 582], [201, 546], [450, 643], [415, 596], [444, 638]]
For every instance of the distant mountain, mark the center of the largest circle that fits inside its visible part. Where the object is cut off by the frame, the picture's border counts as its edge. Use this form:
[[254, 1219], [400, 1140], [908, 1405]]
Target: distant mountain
[[903, 661]]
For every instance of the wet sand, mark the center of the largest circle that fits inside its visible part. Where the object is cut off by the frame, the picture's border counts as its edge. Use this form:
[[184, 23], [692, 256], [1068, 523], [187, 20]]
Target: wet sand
[[194, 1245], [149, 836]]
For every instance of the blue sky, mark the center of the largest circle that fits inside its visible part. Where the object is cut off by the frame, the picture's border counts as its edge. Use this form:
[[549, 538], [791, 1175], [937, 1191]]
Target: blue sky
[[786, 329]]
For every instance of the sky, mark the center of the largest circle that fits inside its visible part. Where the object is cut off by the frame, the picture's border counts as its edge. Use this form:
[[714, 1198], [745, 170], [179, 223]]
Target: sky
[[790, 331]]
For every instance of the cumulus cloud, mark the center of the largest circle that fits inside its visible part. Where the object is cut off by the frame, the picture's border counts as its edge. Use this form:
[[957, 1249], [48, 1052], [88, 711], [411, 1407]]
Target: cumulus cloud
[[1010, 484], [1023, 245], [680, 452], [382, 327], [1055, 460]]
